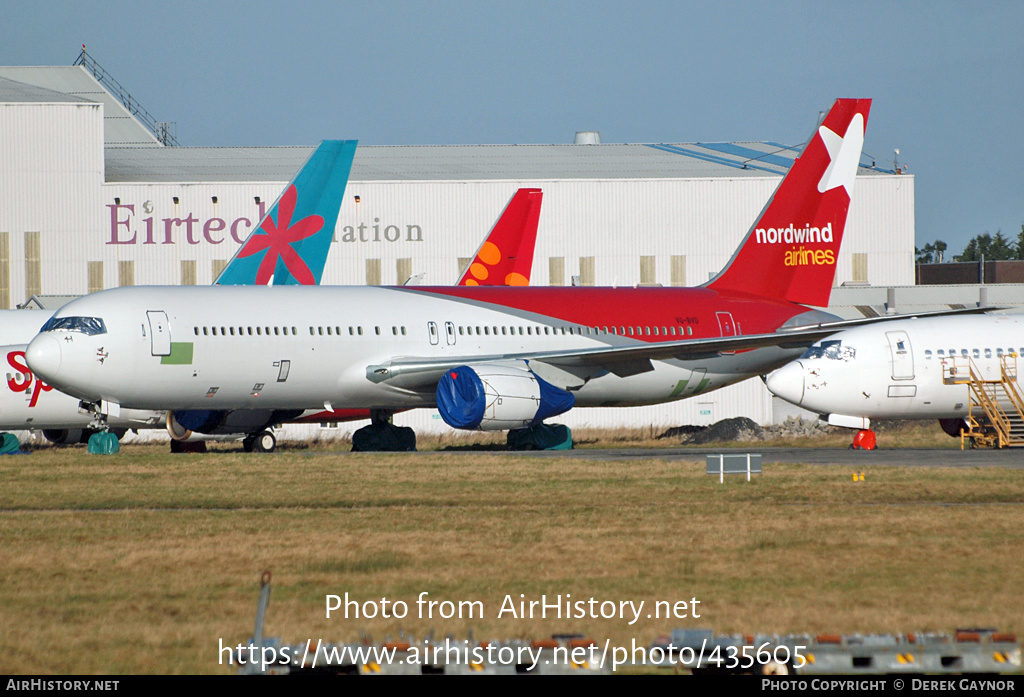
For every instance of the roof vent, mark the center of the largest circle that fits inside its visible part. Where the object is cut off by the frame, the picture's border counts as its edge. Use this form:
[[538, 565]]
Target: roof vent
[[587, 138]]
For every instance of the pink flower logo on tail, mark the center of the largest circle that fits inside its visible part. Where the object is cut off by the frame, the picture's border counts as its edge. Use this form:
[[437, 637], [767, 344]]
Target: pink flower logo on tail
[[279, 239]]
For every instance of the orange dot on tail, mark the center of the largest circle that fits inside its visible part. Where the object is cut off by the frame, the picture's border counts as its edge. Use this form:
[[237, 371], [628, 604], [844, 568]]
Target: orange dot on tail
[[479, 271], [516, 279], [470, 282], [489, 253]]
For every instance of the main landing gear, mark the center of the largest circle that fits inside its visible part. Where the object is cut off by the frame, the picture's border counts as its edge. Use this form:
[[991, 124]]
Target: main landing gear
[[382, 435], [262, 442]]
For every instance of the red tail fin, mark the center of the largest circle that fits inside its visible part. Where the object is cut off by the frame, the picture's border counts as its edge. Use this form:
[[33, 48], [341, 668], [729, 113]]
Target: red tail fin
[[506, 256], [790, 253]]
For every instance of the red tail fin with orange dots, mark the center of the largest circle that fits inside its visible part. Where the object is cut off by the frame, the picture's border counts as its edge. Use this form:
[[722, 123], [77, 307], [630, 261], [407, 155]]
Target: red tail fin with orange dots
[[506, 256]]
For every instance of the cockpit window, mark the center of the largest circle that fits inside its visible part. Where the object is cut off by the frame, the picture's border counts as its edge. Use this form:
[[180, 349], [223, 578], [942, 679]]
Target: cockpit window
[[831, 350], [86, 325]]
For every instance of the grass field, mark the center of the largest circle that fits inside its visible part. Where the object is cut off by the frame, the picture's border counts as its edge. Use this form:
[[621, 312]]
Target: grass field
[[142, 562]]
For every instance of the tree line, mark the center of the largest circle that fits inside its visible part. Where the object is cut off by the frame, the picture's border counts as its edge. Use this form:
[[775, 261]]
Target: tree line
[[984, 246]]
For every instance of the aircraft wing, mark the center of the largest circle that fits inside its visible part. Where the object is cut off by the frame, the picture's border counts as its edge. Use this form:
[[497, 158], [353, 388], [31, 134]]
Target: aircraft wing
[[851, 323], [417, 373]]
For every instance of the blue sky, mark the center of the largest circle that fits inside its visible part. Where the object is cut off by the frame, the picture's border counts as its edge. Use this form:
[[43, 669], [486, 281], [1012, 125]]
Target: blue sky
[[947, 78]]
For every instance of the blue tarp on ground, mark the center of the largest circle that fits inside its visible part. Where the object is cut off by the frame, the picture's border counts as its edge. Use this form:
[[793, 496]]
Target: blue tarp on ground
[[384, 437], [9, 444], [104, 443], [540, 437]]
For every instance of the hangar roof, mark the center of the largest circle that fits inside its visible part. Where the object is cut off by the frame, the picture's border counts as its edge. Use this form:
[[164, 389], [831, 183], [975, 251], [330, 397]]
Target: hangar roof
[[133, 154], [75, 83], [461, 162], [13, 91]]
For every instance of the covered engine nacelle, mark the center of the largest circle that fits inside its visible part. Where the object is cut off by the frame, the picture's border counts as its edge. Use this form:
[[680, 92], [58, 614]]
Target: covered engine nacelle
[[953, 427], [183, 423], [67, 436], [497, 398], [71, 436]]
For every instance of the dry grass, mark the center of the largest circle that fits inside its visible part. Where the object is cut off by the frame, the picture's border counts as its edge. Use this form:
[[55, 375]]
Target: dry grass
[[141, 562]]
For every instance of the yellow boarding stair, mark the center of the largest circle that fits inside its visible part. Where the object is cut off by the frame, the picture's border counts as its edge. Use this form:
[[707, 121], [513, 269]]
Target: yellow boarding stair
[[996, 415]]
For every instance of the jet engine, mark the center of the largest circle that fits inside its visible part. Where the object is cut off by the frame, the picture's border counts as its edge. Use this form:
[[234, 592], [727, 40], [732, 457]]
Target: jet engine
[[66, 436], [70, 436], [953, 427], [183, 423], [497, 398]]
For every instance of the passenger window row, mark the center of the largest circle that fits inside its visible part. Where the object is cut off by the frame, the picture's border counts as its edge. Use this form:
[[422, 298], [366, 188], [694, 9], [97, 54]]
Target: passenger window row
[[245, 331], [973, 353], [463, 331], [286, 331], [577, 330]]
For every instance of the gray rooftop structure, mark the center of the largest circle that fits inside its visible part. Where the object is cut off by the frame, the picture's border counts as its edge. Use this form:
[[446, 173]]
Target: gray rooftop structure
[[133, 154], [462, 162], [119, 126], [12, 91]]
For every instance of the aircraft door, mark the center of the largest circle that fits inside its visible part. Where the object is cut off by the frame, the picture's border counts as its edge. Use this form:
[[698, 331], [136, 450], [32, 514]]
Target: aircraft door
[[726, 323], [159, 332], [902, 356], [432, 331], [449, 331], [728, 327]]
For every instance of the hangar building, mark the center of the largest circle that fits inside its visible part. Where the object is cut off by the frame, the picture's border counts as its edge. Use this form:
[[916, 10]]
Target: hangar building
[[92, 199]]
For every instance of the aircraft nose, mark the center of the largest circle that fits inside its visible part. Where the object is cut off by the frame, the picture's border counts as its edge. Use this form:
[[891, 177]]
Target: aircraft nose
[[788, 382], [43, 356]]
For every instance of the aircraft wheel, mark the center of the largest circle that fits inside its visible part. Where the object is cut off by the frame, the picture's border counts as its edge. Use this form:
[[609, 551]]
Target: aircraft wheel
[[248, 443], [265, 442]]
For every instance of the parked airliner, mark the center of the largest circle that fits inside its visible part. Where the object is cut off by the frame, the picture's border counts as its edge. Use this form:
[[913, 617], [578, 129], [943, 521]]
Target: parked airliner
[[904, 369], [487, 357], [30, 403], [504, 257]]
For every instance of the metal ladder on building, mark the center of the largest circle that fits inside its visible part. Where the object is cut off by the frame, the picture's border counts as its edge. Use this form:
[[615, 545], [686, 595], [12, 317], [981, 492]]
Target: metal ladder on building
[[163, 130], [996, 414]]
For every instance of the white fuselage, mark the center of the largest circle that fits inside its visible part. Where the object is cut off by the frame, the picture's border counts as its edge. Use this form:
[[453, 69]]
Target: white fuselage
[[900, 369], [27, 402], [238, 347]]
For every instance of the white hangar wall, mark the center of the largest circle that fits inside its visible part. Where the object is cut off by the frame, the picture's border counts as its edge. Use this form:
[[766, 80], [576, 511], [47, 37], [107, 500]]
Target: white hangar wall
[[51, 172], [689, 228]]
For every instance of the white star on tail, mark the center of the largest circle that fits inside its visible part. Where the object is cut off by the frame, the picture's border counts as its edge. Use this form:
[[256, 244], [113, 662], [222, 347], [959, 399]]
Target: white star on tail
[[845, 155]]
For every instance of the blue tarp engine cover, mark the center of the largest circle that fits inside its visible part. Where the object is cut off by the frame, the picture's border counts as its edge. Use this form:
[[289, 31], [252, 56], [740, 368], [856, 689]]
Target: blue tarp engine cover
[[494, 397], [199, 420]]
